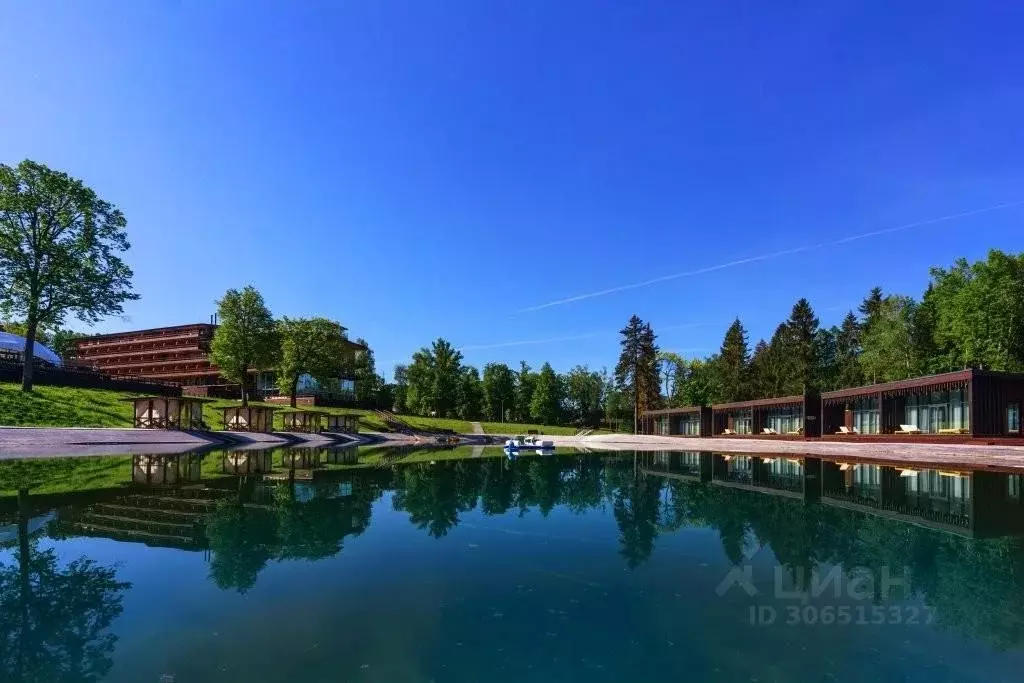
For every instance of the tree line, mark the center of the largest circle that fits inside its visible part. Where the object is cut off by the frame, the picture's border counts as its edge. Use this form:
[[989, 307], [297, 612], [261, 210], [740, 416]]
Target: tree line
[[438, 383], [970, 315]]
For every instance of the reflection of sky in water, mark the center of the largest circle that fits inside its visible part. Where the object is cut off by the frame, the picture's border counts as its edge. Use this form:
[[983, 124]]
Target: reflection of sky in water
[[520, 596]]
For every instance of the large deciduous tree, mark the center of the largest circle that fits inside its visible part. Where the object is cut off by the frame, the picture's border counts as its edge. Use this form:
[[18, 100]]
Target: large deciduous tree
[[636, 373], [584, 390], [60, 252], [526, 380], [364, 372], [888, 342], [247, 337], [470, 398], [979, 312], [669, 365], [546, 402], [309, 346], [499, 386], [433, 377], [401, 377]]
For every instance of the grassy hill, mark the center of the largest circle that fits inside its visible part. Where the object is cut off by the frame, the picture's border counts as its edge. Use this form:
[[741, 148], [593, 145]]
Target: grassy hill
[[72, 407]]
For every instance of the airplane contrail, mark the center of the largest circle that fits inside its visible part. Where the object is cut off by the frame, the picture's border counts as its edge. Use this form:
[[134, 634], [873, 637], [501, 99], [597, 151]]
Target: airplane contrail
[[772, 255], [575, 337]]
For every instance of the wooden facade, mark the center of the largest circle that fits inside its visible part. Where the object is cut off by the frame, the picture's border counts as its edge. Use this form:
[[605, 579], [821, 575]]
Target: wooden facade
[[248, 419], [986, 402], [347, 424], [801, 416], [165, 412], [307, 421], [690, 421]]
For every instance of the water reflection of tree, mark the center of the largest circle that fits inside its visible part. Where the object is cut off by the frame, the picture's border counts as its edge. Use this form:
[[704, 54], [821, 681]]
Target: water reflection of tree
[[636, 505], [53, 618], [976, 586], [274, 523], [435, 494]]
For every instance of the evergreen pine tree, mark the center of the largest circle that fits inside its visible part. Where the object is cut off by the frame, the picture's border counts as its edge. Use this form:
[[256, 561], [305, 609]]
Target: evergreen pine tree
[[636, 373], [734, 359]]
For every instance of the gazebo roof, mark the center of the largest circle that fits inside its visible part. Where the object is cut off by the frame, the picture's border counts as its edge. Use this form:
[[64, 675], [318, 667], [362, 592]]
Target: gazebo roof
[[196, 399]]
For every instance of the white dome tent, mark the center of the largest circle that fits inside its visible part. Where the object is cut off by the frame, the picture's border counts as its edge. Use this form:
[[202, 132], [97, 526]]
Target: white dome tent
[[12, 343]]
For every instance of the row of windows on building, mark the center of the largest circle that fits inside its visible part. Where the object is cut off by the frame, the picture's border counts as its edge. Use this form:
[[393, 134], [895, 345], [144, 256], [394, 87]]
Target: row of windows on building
[[930, 413]]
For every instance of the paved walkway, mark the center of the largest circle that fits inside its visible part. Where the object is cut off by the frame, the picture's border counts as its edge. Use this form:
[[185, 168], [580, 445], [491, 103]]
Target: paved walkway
[[477, 427], [966, 455]]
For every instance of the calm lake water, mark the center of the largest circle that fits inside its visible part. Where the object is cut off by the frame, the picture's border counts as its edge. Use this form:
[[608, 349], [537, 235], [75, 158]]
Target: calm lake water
[[575, 567]]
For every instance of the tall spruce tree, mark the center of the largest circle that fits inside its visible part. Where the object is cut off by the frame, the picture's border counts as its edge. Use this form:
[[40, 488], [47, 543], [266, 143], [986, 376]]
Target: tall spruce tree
[[734, 363], [636, 373], [803, 369], [848, 347]]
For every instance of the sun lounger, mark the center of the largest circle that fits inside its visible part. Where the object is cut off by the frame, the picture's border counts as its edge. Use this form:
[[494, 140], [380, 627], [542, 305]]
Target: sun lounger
[[954, 430], [847, 430], [728, 432], [796, 432], [909, 429], [768, 430]]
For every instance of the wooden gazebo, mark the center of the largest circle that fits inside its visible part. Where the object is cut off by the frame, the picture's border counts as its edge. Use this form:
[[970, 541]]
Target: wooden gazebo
[[298, 420], [348, 424], [168, 412], [167, 469], [248, 418]]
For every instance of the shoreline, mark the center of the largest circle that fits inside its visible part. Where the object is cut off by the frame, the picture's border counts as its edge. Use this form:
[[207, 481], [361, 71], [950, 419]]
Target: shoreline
[[43, 442]]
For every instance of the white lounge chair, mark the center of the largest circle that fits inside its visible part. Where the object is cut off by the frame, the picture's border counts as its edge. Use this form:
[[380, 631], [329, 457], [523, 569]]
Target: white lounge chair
[[909, 429]]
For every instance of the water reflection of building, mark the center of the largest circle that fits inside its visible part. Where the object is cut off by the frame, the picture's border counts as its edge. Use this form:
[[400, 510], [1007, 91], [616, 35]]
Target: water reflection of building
[[167, 469], [976, 503], [980, 503], [693, 465], [243, 462], [165, 519], [345, 455]]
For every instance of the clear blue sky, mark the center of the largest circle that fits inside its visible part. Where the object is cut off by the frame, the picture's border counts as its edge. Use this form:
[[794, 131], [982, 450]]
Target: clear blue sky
[[415, 169]]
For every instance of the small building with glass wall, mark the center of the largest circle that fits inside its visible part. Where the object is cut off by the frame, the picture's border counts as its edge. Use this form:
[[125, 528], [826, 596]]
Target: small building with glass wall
[[785, 416], [965, 403], [685, 421]]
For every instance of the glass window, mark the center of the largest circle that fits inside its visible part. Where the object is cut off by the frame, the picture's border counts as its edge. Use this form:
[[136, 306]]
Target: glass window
[[938, 410], [865, 416], [1013, 418]]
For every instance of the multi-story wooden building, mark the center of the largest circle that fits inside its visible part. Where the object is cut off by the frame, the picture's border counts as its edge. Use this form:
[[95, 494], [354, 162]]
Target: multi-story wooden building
[[181, 355]]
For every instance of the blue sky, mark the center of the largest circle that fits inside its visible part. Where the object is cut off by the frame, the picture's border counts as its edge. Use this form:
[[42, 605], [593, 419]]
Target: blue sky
[[416, 169]]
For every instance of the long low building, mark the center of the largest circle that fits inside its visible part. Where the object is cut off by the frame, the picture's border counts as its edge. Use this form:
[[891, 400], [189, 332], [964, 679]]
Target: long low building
[[966, 403]]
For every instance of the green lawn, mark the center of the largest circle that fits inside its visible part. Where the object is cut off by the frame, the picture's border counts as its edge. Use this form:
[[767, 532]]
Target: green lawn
[[63, 407], [70, 407]]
